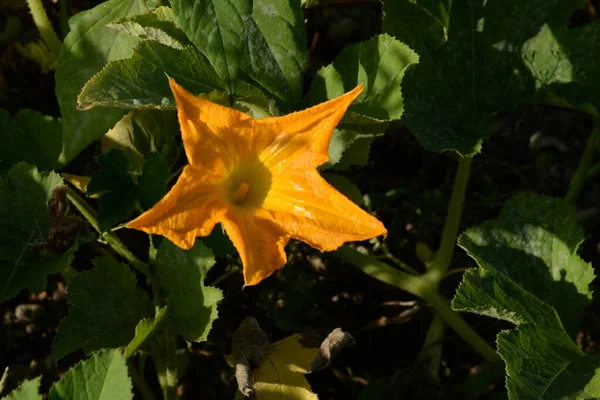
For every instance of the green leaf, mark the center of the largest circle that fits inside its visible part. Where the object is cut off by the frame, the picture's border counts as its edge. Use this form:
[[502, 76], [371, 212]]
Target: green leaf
[[145, 329], [106, 307], [158, 25], [30, 136], [29, 390], [379, 64], [104, 376], [530, 274], [120, 193], [88, 47], [487, 57], [141, 81], [24, 222], [181, 274], [260, 40]]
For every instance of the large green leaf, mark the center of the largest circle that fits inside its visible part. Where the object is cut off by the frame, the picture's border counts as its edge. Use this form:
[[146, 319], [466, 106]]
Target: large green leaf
[[181, 274], [530, 274], [261, 40], [102, 377], [31, 137], [483, 57], [28, 390], [106, 308], [88, 47], [24, 223], [379, 64], [141, 81]]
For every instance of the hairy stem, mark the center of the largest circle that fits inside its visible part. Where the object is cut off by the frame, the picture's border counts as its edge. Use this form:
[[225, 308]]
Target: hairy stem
[[581, 174], [443, 257], [117, 245], [44, 26]]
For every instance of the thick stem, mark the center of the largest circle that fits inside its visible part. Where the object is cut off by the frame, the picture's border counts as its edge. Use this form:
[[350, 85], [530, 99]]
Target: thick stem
[[64, 17], [432, 347], [443, 257], [140, 383], [117, 245], [165, 358], [456, 322], [581, 174], [422, 286], [44, 26]]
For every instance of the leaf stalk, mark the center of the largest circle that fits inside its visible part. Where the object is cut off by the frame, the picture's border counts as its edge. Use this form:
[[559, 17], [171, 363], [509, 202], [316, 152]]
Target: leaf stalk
[[582, 172], [40, 18]]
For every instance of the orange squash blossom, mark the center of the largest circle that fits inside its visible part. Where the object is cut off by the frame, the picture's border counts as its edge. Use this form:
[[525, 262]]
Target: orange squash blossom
[[259, 179]]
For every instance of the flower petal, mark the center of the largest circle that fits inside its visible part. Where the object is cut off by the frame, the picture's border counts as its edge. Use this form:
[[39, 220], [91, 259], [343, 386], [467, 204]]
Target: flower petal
[[192, 208], [259, 242], [305, 132], [304, 205], [210, 130]]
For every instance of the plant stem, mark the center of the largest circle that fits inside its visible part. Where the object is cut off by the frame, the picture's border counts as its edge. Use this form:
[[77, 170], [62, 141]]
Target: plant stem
[[443, 257], [581, 174], [140, 383], [44, 26], [117, 245], [64, 17], [423, 286], [456, 322], [165, 358], [431, 352]]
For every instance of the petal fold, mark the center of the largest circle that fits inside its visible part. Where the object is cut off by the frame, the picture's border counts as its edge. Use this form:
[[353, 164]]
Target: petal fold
[[304, 205], [191, 208], [259, 242]]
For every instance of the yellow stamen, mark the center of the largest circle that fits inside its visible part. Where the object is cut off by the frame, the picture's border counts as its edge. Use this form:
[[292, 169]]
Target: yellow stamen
[[240, 195]]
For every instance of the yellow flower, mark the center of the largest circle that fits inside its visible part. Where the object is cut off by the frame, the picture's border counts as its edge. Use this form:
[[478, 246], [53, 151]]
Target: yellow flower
[[259, 179]]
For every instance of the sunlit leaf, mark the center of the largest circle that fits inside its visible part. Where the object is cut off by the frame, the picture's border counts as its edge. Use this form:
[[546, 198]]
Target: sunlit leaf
[[28, 390]]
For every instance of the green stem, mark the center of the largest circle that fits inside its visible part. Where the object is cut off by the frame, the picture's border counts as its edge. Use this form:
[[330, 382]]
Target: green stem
[[165, 358], [44, 26], [443, 257], [425, 287], [581, 174], [432, 347], [64, 17], [117, 245], [140, 383], [593, 171], [464, 330]]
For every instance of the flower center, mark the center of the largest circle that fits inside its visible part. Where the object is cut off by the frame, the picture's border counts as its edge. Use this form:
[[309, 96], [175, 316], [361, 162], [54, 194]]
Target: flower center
[[248, 184], [240, 195]]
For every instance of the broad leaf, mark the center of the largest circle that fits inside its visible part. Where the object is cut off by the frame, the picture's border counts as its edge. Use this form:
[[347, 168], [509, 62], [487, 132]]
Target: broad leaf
[[119, 192], [483, 57], [88, 47], [103, 376], [142, 81], [146, 329], [379, 64], [106, 308], [25, 224], [260, 40], [158, 25], [530, 274], [28, 390], [31, 137], [181, 274]]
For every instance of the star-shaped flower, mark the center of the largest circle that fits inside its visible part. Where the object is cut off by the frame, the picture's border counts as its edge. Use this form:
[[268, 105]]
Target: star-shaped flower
[[259, 179]]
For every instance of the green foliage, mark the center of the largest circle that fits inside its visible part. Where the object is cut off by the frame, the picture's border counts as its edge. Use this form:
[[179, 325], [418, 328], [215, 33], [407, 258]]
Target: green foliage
[[24, 223], [530, 274], [181, 273], [88, 47], [146, 328], [102, 377], [260, 39], [29, 390], [106, 307], [484, 57], [120, 193], [31, 137]]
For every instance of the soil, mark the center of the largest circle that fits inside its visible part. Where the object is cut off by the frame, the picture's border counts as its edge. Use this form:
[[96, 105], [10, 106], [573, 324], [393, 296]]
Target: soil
[[533, 148]]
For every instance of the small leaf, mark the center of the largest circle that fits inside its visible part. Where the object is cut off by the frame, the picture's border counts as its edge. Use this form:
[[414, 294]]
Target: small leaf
[[145, 329], [530, 274], [158, 25], [181, 274], [106, 307], [24, 223], [88, 47], [103, 376], [31, 137], [28, 390], [379, 64], [141, 82]]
